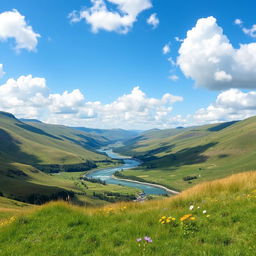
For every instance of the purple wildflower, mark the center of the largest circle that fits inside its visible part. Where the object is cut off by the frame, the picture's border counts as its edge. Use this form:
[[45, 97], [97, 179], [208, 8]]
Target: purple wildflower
[[148, 239]]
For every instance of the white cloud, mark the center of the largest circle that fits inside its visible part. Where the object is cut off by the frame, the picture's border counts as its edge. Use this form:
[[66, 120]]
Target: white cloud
[[153, 20], [166, 49], [29, 97], [178, 39], [1, 70], [172, 62], [173, 77], [66, 102], [222, 76], [238, 22], [13, 25], [250, 31], [207, 56], [232, 104], [25, 96], [119, 19]]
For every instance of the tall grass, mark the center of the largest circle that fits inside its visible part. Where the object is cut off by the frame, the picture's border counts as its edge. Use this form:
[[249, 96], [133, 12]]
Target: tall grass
[[58, 228]]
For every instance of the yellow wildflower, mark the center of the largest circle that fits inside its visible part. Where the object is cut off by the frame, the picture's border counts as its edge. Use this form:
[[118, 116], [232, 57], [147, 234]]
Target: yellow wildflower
[[185, 217]]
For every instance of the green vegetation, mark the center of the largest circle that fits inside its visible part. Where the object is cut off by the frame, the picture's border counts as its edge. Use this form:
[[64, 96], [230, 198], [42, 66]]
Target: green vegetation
[[30, 151], [205, 153], [227, 227]]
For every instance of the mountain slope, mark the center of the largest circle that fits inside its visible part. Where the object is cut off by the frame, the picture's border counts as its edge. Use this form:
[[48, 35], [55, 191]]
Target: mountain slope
[[24, 147], [196, 154]]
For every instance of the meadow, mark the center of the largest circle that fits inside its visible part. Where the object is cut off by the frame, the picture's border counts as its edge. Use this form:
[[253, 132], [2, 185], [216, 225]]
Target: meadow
[[213, 218]]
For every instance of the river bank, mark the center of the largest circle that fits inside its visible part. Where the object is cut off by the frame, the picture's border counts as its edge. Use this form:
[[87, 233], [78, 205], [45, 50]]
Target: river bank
[[107, 175]]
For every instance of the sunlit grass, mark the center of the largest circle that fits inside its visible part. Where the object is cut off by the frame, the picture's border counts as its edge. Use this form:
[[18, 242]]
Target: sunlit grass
[[223, 224]]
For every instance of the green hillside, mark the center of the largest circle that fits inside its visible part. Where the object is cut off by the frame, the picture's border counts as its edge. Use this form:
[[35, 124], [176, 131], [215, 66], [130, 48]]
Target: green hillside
[[222, 222], [192, 155], [29, 148]]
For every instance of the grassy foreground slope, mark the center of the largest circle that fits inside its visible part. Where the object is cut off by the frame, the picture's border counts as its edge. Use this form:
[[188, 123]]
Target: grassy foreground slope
[[203, 153], [227, 228]]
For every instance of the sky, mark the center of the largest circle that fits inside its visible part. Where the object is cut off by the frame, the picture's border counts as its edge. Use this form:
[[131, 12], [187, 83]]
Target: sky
[[132, 64]]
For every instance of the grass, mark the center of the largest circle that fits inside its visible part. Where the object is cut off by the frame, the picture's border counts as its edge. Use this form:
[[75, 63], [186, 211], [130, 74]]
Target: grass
[[62, 229], [207, 152]]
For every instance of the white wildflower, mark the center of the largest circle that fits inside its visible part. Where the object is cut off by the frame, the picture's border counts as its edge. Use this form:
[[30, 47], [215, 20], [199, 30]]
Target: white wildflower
[[191, 207]]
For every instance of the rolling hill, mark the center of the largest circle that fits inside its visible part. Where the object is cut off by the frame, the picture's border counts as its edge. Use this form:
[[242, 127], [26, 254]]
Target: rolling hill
[[180, 158], [31, 150]]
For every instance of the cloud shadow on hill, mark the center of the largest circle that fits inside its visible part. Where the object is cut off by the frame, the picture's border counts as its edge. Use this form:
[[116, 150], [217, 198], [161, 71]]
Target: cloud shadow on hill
[[36, 130], [11, 151], [187, 156]]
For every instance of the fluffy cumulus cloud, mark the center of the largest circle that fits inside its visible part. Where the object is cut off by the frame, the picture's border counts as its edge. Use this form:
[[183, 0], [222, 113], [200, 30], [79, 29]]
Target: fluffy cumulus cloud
[[232, 104], [29, 97], [153, 20], [13, 25], [1, 70], [207, 56], [66, 103], [111, 15], [25, 96]]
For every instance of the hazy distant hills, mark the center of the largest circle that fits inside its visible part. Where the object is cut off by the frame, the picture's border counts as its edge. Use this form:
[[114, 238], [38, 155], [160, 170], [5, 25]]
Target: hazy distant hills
[[112, 135]]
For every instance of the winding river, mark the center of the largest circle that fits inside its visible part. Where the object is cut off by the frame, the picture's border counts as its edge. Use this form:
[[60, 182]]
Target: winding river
[[107, 175]]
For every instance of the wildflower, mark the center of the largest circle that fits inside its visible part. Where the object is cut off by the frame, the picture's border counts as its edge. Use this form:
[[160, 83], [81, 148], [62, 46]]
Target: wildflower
[[185, 217], [204, 211], [198, 207], [168, 220], [191, 207], [165, 220], [138, 240], [207, 216], [192, 218], [148, 239], [7, 221], [162, 220]]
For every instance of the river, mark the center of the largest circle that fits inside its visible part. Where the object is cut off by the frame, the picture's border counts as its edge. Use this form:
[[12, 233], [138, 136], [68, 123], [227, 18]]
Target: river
[[107, 175]]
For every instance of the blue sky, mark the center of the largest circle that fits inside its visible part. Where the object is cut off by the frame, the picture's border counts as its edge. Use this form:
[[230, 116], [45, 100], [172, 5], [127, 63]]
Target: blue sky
[[105, 65]]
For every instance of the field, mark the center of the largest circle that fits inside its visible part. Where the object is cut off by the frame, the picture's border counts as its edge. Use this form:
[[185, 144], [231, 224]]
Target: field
[[222, 223]]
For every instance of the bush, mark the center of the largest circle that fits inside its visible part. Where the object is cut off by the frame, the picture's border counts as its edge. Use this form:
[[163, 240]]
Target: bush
[[187, 178]]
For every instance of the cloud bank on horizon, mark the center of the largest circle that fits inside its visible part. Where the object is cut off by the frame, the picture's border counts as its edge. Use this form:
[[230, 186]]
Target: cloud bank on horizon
[[205, 55], [29, 97]]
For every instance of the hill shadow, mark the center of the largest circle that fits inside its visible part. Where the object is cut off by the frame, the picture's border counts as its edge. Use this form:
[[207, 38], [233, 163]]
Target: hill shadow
[[187, 156], [222, 126], [36, 130], [11, 151]]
